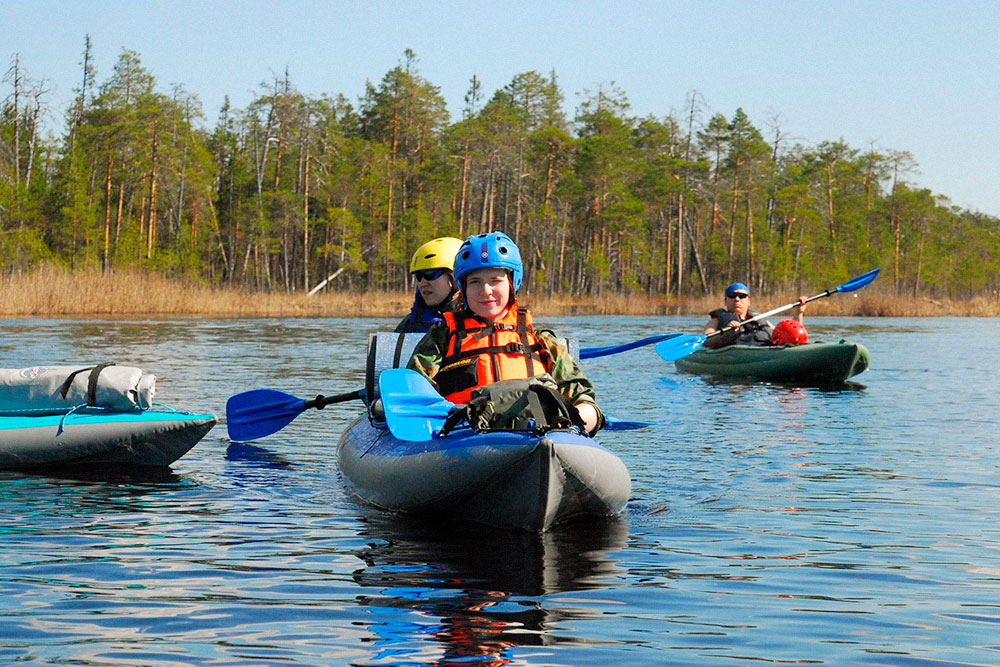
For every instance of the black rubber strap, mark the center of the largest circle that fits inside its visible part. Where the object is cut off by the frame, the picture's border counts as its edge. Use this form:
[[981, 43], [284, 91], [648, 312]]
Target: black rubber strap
[[92, 382], [522, 332], [69, 381]]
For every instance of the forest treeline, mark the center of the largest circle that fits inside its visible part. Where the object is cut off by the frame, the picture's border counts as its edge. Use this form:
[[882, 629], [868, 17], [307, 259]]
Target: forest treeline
[[295, 190]]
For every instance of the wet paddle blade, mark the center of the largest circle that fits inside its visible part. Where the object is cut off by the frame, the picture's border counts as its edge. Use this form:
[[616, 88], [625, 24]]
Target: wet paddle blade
[[260, 412], [623, 425], [678, 348], [414, 410], [858, 282]]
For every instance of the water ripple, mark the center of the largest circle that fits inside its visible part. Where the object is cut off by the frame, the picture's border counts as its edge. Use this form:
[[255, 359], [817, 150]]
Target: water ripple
[[853, 525]]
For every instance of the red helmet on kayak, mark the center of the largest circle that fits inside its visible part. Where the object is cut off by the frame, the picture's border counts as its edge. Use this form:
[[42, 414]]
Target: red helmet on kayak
[[789, 332]]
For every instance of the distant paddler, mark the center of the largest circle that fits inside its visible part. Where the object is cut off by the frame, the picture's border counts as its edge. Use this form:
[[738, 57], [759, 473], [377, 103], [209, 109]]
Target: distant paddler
[[735, 319]]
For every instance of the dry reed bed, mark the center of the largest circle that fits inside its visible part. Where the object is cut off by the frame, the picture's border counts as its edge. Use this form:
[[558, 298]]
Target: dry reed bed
[[870, 302], [52, 292], [55, 293]]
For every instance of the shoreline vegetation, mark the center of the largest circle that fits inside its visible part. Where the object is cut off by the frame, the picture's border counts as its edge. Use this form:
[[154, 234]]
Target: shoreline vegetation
[[638, 214], [58, 293]]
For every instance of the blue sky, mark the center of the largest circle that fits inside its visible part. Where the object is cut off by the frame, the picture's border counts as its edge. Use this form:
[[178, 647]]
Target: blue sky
[[911, 75]]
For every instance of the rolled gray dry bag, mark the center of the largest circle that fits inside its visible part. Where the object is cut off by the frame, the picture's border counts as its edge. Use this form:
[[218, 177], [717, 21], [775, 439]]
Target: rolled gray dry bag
[[55, 389]]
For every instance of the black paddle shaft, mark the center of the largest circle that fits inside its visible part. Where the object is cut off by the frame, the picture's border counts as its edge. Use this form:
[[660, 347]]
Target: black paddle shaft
[[322, 401]]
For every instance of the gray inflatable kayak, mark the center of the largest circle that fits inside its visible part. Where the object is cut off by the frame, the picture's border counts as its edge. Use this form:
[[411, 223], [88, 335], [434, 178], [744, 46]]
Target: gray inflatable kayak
[[507, 479], [139, 438]]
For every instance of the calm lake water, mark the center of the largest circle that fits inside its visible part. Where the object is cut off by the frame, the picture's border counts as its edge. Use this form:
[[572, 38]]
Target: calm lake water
[[767, 524]]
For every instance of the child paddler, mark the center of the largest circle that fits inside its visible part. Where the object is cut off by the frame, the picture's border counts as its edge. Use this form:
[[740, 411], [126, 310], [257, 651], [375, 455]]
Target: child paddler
[[491, 338], [431, 267]]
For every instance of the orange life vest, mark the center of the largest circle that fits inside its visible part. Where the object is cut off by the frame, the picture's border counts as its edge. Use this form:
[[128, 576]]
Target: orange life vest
[[478, 354]]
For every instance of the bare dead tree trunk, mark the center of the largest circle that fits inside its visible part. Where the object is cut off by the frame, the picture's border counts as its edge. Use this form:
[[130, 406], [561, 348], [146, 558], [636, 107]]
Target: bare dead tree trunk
[[464, 192], [697, 261], [17, 118], [667, 253], [153, 174], [305, 224], [831, 221], [33, 136], [107, 216], [680, 242]]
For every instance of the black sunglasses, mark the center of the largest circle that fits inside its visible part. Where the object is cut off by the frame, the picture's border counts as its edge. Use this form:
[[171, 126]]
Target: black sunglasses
[[738, 295], [429, 274]]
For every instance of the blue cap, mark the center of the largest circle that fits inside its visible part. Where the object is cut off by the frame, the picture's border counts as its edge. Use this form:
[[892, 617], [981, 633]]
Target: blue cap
[[737, 287]]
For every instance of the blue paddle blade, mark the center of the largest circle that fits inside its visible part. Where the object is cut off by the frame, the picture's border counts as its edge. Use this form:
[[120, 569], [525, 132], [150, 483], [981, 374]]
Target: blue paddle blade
[[414, 410], [623, 425], [592, 352], [678, 348], [260, 412], [858, 282]]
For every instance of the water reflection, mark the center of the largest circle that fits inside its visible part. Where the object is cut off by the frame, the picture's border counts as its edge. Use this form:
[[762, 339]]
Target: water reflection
[[75, 490], [132, 477], [259, 457], [475, 593], [849, 385], [768, 524]]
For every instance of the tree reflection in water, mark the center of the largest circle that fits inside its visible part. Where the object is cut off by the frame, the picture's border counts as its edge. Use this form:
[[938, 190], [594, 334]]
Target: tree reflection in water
[[470, 595]]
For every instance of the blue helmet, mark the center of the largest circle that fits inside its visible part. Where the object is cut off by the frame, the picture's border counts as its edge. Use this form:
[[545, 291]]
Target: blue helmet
[[495, 249]]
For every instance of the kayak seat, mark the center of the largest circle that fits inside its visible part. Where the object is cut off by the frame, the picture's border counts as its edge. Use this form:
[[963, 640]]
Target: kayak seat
[[386, 350]]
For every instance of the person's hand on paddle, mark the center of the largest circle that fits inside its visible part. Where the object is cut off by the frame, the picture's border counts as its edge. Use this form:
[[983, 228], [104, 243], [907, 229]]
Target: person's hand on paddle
[[801, 308]]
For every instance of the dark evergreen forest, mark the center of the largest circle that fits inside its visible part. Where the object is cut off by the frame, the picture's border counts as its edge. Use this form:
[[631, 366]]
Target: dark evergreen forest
[[292, 190]]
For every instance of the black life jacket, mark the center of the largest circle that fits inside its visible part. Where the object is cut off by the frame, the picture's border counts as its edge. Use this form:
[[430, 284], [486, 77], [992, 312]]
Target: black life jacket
[[754, 333]]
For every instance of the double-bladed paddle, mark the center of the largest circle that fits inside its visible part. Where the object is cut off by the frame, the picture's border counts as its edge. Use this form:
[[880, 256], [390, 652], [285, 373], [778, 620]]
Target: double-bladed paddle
[[681, 346], [414, 411], [260, 412], [593, 352]]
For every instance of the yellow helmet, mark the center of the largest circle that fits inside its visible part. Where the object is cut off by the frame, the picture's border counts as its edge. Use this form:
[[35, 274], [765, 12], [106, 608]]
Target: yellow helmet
[[436, 254]]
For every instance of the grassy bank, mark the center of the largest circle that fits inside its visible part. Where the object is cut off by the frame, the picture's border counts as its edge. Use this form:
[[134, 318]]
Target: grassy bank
[[50, 292]]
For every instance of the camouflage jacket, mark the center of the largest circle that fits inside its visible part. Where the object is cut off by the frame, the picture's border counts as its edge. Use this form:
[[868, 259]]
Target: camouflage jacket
[[573, 384]]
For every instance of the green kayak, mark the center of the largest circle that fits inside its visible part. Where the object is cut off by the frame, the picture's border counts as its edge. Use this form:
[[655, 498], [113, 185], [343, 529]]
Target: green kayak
[[812, 363]]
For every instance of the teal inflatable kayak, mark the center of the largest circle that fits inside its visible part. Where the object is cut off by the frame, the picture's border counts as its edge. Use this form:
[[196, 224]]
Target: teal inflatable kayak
[[86, 436], [818, 363]]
